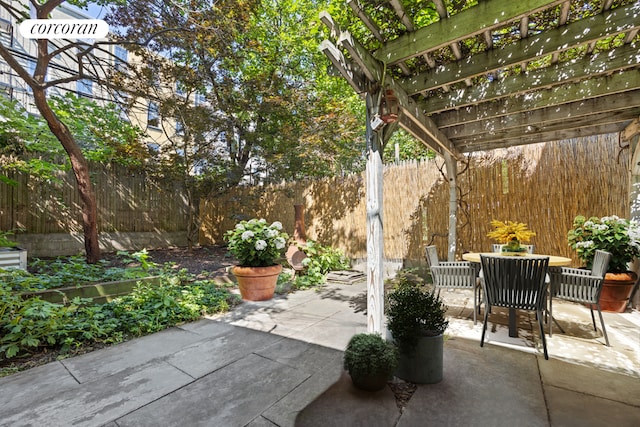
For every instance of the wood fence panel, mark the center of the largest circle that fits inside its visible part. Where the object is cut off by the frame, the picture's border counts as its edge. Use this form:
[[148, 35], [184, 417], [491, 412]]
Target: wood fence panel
[[128, 201]]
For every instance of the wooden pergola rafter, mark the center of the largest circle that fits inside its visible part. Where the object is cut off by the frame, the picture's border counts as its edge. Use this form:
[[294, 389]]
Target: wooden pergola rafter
[[478, 75]]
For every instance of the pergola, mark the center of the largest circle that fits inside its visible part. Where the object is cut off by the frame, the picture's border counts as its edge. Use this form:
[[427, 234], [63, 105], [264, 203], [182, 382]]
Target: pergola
[[476, 75]]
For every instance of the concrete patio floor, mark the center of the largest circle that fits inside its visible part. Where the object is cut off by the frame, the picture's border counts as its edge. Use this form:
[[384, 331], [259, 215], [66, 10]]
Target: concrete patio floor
[[279, 363]]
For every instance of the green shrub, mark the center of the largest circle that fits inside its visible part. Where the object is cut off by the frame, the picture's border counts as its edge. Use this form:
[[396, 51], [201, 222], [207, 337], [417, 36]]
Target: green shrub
[[370, 354], [413, 310], [320, 261]]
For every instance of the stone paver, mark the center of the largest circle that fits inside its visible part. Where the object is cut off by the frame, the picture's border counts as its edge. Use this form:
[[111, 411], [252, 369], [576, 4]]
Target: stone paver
[[279, 363]]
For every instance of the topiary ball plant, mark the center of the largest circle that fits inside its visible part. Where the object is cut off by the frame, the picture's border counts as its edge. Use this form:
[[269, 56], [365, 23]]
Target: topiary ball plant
[[370, 361]]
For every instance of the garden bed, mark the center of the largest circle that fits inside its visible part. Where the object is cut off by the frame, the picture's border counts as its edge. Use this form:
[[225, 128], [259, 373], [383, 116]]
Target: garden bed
[[98, 292]]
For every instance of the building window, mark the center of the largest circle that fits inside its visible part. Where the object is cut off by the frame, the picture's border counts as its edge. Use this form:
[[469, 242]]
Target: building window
[[179, 128], [122, 57], [153, 116], [31, 69], [85, 88], [6, 33], [200, 99], [121, 99], [180, 89]]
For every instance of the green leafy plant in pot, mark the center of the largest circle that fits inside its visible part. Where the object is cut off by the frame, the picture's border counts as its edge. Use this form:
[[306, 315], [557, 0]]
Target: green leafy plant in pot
[[416, 320], [621, 238], [5, 242], [257, 245], [370, 361]]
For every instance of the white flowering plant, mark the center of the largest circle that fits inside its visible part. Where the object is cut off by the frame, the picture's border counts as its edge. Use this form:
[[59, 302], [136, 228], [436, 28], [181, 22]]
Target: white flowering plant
[[255, 243], [619, 236]]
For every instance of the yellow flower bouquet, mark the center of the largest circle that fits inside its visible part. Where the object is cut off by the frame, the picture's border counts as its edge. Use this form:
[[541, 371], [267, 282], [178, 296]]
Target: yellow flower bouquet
[[508, 231]]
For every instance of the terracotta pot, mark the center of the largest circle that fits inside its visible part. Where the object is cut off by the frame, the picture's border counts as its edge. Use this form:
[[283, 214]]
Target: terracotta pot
[[257, 283], [616, 291]]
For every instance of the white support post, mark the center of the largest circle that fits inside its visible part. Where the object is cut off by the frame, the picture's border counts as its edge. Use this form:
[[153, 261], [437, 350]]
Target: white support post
[[631, 134], [375, 240], [452, 176]]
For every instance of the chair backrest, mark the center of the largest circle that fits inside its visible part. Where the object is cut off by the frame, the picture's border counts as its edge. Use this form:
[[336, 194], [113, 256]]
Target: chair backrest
[[450, 274], [515, 282], [432, 256], [600, 263], [582, 287], [498, 248]]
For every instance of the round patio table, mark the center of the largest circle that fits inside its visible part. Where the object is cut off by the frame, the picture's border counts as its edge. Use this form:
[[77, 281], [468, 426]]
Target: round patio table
[[554, 261]]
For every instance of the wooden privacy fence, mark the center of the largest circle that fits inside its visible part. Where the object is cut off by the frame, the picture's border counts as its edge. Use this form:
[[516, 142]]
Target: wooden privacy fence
[[544, 185], [128, 201]]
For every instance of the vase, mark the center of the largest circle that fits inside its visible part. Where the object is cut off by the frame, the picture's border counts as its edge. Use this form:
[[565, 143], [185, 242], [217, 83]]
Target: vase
[[616, 291], [257, 283], [425, 364]]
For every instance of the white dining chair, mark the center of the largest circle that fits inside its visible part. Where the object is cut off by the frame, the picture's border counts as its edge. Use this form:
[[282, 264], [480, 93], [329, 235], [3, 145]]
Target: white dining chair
[[454, 274]]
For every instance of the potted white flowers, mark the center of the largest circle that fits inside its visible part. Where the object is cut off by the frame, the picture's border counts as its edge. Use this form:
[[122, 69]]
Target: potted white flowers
[[621, 238], [257, 246]]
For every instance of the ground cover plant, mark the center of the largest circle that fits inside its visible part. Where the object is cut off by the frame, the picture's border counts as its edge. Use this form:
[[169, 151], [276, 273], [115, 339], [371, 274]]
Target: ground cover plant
[[74, 271], [33, 329], [319, 262]]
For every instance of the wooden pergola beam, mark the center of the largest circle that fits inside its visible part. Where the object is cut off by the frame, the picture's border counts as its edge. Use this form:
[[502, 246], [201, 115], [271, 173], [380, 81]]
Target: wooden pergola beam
[[536, 118], [604, 63], [486, 15], [375, 73], [620, 20], [557, 125], [468, 147], [550, 98]]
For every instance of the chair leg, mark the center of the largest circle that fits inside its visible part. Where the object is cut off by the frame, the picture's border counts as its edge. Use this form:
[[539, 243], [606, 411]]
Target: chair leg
[[475, 305], [593, 317], [484, 325], [544, 341], [604, 330], [550, 314]]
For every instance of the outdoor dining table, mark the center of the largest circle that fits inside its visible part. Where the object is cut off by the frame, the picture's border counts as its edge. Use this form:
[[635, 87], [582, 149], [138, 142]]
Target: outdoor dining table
[[554, 261]]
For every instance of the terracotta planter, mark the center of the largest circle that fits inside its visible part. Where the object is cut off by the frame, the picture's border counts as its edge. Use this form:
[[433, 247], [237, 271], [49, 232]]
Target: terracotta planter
[[616, 291], [257, 283]]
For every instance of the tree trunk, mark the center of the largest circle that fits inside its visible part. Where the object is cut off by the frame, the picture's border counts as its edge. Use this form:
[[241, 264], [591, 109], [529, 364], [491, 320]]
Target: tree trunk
[[80, 168]]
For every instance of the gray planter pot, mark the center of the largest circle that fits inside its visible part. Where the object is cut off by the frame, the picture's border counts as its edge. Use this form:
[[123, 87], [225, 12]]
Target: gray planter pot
[[13, 258], [425, 365]]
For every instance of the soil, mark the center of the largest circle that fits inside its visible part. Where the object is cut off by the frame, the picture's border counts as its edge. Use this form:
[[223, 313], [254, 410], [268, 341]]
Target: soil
[[210, 259]]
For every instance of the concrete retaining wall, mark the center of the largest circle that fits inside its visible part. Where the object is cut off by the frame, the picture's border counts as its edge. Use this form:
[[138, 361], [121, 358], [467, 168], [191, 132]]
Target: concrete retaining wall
[[62, 244], [99, 292]]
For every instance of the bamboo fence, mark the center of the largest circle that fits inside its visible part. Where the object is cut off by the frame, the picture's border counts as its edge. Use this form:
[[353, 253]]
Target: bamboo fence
[[543, 185]]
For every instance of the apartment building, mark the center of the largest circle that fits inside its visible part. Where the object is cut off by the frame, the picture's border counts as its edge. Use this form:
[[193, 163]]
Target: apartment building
[[142, 112]]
